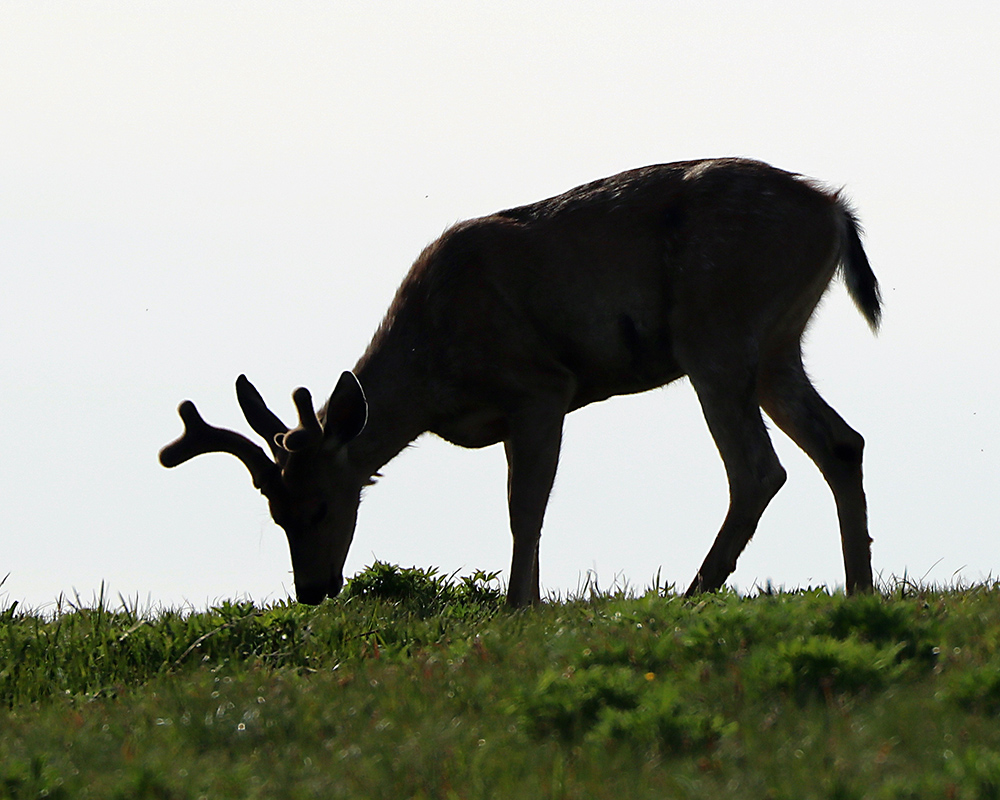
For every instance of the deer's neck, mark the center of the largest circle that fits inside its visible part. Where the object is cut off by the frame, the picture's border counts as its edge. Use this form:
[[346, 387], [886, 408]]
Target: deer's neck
[[395, 383]]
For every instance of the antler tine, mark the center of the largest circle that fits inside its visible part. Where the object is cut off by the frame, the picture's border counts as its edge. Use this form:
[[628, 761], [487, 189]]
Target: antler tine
[[309, 431], [199, 437], [264, 422]]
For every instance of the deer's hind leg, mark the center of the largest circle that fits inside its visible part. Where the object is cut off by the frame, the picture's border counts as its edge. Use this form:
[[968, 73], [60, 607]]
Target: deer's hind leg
[[729, 401], [790, 399]]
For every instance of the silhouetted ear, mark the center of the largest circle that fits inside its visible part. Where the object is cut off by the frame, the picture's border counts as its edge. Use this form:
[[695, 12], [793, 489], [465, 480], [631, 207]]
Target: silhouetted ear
[[346, 411]]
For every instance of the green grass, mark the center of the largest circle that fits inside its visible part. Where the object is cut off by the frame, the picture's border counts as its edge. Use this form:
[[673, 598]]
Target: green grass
[[416, 685]]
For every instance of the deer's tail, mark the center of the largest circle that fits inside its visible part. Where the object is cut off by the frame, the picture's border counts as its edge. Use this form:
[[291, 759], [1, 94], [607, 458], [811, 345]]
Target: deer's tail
[[861, 282]]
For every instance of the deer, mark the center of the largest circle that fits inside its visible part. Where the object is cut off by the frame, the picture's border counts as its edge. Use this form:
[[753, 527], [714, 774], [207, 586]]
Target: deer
[[709, 269]]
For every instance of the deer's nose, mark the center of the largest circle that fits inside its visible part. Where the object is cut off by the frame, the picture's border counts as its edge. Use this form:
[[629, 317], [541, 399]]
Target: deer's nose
[[310, 595], [314, 594]]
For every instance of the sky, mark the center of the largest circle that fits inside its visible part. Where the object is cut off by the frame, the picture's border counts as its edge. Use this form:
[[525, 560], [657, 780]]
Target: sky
[[191, 191]]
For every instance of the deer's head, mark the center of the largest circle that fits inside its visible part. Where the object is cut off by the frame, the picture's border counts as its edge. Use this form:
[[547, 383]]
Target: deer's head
[[312, 491]]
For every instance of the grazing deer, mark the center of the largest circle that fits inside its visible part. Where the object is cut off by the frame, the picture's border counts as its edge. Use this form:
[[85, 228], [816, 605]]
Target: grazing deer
[[709, 269]]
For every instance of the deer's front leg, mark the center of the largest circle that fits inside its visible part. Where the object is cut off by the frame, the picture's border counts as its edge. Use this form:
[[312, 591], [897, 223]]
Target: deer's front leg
[[532, 449]]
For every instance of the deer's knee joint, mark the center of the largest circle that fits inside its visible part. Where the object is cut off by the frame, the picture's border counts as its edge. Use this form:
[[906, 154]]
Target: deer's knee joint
[[772, 479], [849, 450], [776, 478], [749, 497]]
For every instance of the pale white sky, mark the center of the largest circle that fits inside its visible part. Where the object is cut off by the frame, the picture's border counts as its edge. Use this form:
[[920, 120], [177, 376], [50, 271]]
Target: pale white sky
[[189, 191]]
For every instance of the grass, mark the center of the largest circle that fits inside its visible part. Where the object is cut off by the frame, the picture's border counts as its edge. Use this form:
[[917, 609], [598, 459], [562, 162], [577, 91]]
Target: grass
[[417, 685]]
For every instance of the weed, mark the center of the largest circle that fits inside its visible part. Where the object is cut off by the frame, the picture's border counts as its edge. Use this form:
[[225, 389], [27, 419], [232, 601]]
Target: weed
[[424, 590], [569, 703], [822, 666], [662, 722], [978, 689], [883, 623]]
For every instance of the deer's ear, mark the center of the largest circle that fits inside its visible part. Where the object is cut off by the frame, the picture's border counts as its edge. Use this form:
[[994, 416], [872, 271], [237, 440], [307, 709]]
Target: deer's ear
[[346, 412]]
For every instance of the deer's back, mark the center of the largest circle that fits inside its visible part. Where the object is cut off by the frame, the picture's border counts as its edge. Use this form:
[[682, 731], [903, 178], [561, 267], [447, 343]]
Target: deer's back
[[608, 283]]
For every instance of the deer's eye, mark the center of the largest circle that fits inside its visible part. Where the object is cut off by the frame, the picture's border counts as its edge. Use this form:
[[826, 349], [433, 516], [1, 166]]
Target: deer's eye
[[319, 514]]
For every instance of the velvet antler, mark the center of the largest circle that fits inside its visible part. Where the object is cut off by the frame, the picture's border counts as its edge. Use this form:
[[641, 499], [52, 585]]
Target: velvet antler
[[199, 437]]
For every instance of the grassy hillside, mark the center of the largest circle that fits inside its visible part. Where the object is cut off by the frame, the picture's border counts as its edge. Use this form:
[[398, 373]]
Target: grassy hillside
[[413, 686]]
